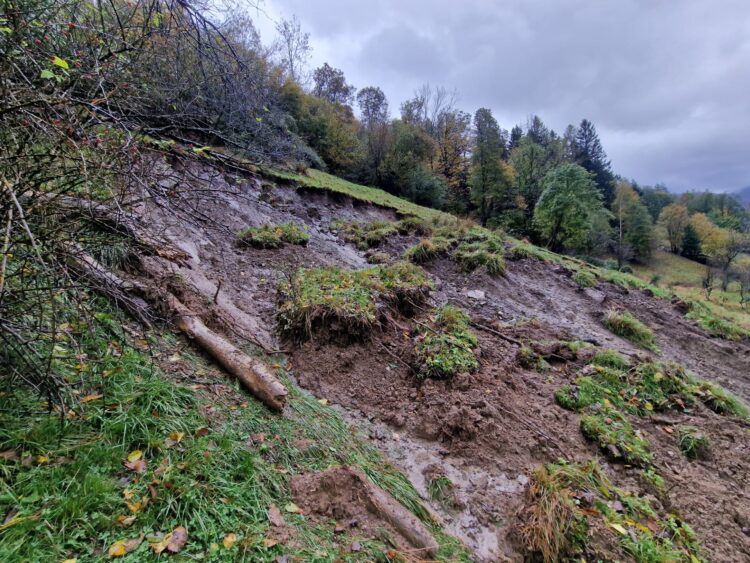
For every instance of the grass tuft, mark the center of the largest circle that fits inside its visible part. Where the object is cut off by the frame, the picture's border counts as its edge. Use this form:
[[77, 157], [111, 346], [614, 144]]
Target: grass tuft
[[569, 516], [447, 347], [273, 236], [584, 279], [693, 443], [624, 324], [345, 303], [613, 432]]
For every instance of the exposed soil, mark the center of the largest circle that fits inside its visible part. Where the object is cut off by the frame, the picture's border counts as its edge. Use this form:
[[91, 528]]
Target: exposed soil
[[485, 431]]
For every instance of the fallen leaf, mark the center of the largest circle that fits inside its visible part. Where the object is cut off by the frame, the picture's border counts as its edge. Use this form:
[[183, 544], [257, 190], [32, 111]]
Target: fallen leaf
[[40, 459], [163, 466], [275, 517], [123, 547], [89, 398], [135, 455], [139, 465], [282, 559], [201, 432], [136, 506], [127, 494], [269, 542], [9, 454], [125, 521], [617, 506], [229, 540], [292, 508], [355, 547], [174, 439], [619, 528], [323, 401], [179, 539], [70, 561]]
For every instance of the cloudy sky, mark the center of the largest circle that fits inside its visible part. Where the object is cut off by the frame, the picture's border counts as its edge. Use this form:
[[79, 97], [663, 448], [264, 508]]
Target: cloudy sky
[[666, 82]]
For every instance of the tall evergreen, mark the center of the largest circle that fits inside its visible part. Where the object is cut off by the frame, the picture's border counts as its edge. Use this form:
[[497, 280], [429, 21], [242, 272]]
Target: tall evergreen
[[691, 244], [516, 134], [590, 154], [490, 178]]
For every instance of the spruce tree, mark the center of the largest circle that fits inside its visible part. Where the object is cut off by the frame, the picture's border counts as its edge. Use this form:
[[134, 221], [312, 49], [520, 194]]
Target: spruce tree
[[691, 244], [590, 154]]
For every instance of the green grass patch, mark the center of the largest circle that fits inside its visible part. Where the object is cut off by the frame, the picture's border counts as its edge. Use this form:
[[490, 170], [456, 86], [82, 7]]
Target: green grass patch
[[447, 347], [709, 321], [427, 249], [570, 514], [610, 359], [584, 278], [693, 443], [527, 358], [614, 434], [66, 485], [345, 302], [624, 324], [320, 180], [274, 236], [366, 234]]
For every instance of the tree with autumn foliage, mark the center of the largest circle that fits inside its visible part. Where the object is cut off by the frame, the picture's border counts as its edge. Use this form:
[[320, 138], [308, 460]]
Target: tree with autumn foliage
[[674, 218]]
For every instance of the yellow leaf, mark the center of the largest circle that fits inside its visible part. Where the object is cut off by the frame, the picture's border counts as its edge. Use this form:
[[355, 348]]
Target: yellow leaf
[[658, 376], [293, 508], [214, 547], [127, 494], [269, 542], [135, 455], [40, 459], [62, 63], [176, 436], [117, 549], [619, 528], [125, 520], [70, 561], [323, 401], [648, 406], [89, 398], [229, 540]]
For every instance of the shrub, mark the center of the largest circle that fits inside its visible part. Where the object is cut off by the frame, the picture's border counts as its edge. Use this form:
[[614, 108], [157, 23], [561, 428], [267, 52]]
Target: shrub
[[693, 443], [447, 347], [273, 236], [624, 324], [584, 279], [344, 302]]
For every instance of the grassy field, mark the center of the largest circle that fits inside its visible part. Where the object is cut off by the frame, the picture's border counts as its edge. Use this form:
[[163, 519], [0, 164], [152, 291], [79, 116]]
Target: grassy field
[[317, 179], [684, 277], [153, 447]]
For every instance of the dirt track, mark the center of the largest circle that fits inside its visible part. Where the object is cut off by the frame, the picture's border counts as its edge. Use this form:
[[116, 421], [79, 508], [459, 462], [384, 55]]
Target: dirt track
[[487, 430]]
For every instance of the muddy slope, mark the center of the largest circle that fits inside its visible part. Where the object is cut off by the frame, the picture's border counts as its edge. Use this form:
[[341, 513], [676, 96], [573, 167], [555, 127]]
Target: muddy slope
[[484, 431]]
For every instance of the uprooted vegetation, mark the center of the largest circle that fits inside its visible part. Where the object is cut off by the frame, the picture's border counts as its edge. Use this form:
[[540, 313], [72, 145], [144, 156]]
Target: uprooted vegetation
[[609, 389], [447, 346], [346, 303], [370, 234], [624, 324], [471, 248], [273, 236], [573, 512]]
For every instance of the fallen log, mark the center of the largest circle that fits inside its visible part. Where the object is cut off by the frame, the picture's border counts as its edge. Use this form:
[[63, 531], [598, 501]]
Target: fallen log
[[253, 374]]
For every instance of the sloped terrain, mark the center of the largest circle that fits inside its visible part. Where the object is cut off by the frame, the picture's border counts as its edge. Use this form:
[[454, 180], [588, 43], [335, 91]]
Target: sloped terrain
[[481, 434]]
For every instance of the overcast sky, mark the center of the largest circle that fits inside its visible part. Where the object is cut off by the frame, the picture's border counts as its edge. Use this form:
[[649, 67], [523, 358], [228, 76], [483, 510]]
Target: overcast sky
[[666, 82]]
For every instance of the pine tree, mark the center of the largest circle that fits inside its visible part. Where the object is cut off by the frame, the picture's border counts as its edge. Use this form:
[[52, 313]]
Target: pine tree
[[516, 134], [590, 154], [491, 178], [691, 244]]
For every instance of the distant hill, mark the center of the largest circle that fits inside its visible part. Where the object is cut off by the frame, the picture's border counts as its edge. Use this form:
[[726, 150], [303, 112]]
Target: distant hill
[[743, 195]]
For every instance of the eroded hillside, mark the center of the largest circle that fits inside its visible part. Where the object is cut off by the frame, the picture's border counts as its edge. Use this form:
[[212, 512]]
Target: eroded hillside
[[470, 443]]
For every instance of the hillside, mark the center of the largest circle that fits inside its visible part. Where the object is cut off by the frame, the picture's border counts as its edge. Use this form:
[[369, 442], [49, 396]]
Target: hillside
[[542, 379], [249, 313]]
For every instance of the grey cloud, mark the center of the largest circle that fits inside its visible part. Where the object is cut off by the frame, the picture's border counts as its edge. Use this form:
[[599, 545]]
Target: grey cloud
[[665, 82]]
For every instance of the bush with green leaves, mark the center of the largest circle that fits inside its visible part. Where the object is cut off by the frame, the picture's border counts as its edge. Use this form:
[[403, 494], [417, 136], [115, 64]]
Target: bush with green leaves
[[345, 303], [624, 324], [447, 346], [274, 236]]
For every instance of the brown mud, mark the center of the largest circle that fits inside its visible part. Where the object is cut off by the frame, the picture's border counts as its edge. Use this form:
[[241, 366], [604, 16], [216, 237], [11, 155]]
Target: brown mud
[[484, 431]]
